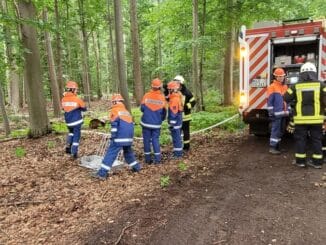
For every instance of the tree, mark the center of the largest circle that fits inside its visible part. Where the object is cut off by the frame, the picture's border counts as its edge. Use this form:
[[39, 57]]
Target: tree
[[139, 87], [85, 56], [58, 59], [120, 53], [38, 119], [51, 66], [228, 57], [195, 53], [4, 113], [14, 95]]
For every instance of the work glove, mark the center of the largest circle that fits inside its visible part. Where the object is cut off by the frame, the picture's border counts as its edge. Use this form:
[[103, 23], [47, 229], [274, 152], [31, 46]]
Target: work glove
[[290, 127]]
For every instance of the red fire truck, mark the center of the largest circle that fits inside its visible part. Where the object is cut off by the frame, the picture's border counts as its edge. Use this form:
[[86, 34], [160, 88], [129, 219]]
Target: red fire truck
[[288, 45]]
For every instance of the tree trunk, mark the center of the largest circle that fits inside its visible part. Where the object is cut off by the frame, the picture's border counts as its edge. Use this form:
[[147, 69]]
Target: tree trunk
[[39, 123], [120, 53], [58, 59], [139, 87], [228, 58], [202, 59], [14, 99], [195, 54], [96, 47], [159, 48], [86, 74], [52, 74], [4, 113], [113, 66]]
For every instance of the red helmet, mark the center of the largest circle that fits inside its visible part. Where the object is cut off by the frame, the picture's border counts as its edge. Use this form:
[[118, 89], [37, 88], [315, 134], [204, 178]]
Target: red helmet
[[116, 98], [71, 84], [173, 85], [279, 72], [156, 83]]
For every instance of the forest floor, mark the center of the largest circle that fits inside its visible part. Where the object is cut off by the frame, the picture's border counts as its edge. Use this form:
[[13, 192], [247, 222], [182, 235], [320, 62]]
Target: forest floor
[[227, 190]]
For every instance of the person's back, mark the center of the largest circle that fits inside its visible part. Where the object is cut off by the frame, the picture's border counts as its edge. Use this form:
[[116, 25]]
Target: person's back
[[73, 107], [122, 126], [153, 108], [309, 98]]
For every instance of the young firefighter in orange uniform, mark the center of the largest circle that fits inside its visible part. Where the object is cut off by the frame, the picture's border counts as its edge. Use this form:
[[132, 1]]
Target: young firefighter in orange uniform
[[277, 109], [175, 117], [122, 133], [73, 107], [154, 112]]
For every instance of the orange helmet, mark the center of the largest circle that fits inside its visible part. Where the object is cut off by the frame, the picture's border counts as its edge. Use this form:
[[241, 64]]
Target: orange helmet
[[71, 84], [117, 98], [156, 83], [279, 72], [173, 85]]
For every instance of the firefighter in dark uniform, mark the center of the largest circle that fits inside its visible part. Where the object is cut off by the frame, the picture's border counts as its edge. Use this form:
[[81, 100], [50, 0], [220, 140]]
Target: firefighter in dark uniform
[[188, 103], [309, 97]]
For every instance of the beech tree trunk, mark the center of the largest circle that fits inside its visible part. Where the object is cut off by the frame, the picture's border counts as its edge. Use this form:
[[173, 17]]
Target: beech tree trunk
[[4, 113], [195, 77], [120, 53], [38, 119], [52, 74], [14, 95], [139, 87], [58, 58]]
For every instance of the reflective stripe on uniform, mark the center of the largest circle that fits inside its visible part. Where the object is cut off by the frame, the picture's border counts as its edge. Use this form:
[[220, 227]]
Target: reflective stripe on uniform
[[299, 155], [75, 123], [177, 149], [317, 156], [71, 134], [150, 125], [133, 163], [123, 140], [114, 130], [75, 143], [274, 140], [106, 167]]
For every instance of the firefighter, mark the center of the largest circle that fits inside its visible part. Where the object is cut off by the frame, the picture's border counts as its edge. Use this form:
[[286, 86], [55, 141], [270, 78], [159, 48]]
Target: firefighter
[[153, 107], [122, 133], [309, 96], [73, 107], [188, 102], [277, 109], [175, 117]]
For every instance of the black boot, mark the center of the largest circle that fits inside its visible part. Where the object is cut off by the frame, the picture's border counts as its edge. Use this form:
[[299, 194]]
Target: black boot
[[68, 150]]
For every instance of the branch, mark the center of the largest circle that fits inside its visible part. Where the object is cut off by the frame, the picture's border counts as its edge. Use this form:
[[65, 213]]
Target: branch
[[123, 231]]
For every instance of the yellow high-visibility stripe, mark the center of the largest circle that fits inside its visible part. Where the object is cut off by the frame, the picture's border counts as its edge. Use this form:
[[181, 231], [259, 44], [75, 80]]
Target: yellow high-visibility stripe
[[298, 155], [289, 91], [317, 156], [302, 119]]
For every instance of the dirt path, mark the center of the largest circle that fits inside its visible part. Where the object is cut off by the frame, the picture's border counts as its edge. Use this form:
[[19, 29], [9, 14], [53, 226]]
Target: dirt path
[[242, 195]]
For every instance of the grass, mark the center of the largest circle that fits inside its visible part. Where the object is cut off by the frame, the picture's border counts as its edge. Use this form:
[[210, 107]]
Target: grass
[[20, 152], [165, 181]]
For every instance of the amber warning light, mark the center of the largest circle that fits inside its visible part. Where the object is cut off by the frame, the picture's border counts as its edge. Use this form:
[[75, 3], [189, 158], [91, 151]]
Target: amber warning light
[[243, 51]]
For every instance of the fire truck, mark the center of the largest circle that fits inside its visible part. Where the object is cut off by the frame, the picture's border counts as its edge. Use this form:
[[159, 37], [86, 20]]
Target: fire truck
[[286, 44]]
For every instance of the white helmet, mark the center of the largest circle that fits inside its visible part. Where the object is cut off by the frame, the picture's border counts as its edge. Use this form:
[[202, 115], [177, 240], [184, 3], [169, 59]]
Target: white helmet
[[179, 78], [308, 66]]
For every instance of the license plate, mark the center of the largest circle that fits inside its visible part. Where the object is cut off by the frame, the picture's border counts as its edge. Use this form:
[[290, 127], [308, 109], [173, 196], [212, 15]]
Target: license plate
[[258, 83]]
